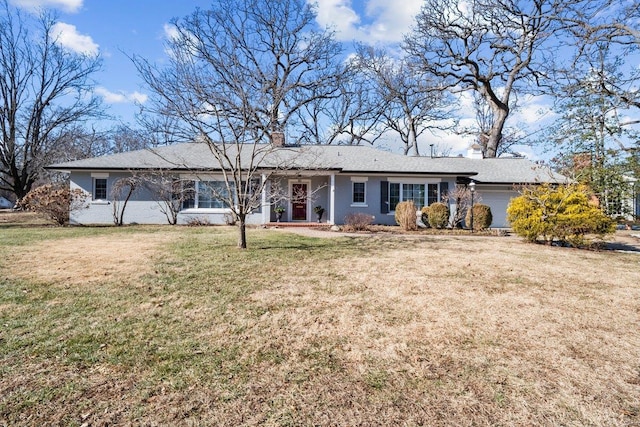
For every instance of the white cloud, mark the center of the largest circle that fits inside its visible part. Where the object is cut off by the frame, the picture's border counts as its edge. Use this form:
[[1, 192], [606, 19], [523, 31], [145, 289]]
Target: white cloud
[[383, 21], [67, 36], [338, 15], [173, 36], [458, 143], [70, 6], [390, 20], [120, 97], [534, 110], [171, 32]]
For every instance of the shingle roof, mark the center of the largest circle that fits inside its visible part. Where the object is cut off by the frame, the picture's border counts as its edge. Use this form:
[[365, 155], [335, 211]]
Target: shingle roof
[[348, 159]]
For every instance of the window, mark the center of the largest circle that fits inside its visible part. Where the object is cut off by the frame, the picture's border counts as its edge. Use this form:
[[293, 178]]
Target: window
[[402, 192], [432, 194], [359, 191], [99, 188], [213, 194], [188, 194], [394, 195], [413, 192]]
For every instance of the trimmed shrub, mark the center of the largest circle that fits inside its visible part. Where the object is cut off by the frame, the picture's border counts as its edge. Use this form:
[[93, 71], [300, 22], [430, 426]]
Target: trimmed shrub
[[482, 217], [564, 213], [54, 201], [198, 221], [424, 212], [406, 215], [438, 215], [357, 221]]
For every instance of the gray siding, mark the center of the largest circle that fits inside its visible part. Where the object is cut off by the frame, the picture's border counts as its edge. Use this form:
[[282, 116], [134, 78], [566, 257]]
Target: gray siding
[[141, 208], [373, 194]]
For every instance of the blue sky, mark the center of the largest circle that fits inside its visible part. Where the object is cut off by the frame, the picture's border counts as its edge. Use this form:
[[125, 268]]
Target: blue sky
[[117, 28]]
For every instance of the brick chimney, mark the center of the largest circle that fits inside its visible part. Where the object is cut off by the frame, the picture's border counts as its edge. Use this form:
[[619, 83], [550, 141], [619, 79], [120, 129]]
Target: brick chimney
[[277, 139]]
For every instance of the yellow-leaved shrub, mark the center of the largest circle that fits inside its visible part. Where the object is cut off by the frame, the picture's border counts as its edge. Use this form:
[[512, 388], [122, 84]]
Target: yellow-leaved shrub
[[564, 213]]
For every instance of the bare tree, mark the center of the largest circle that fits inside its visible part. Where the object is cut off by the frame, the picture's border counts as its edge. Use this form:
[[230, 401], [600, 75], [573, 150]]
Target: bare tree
[[237, 77], [169, 191], [121, 192], [485, 121], [461, 197], [609, 27], [608, 21], [351, 116], [45, 92], [495, 48], [410, 103]]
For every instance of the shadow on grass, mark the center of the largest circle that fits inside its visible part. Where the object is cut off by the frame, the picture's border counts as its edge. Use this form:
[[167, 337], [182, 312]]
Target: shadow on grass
[[622, 247]]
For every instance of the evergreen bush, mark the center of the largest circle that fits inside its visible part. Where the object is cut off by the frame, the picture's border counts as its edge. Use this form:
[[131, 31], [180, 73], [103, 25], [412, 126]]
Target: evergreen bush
[[438, 215], [482, 217]]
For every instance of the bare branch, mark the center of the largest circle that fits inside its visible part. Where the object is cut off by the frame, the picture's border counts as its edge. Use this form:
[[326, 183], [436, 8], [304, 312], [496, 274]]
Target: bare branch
[[45, 91]]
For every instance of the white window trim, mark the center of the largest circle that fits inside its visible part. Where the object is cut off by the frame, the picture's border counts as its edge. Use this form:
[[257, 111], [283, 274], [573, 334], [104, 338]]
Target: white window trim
[[207, 178], [397, 180], [205, 210], [403, 181], [359, 179], [95, 176]]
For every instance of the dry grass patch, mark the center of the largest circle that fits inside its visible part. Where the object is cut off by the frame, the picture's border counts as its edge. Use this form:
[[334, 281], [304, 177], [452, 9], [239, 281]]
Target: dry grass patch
[[517, 332], [9, 217], [300, 331], [89, 259]]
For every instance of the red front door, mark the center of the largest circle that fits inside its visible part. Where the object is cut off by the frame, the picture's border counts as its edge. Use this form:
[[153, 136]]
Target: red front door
[[299, 202]]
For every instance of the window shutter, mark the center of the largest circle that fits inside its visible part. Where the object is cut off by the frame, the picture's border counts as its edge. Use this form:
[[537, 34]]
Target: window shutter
[[444, 189], [384, 197]]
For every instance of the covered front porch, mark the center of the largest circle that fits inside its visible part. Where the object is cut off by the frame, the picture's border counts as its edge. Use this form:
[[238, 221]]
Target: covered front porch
[[300, 198]]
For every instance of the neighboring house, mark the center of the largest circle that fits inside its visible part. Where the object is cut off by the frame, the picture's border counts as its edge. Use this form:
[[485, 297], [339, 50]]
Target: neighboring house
[[629, 207], [342, 179], [5, 203]]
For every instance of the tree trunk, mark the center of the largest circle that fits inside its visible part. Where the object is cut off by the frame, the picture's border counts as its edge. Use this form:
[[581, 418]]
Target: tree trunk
[[495, 134], [413, 138], [242, 232]]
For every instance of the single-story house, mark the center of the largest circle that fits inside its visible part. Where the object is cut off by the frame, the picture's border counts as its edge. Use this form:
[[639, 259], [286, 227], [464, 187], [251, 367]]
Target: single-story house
[[341, 179]]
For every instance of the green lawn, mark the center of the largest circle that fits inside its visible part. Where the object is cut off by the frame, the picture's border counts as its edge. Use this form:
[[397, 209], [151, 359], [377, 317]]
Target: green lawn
[[175, 326]]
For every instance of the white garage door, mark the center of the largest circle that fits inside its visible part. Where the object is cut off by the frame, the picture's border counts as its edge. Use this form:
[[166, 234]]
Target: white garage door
[[498, 201]]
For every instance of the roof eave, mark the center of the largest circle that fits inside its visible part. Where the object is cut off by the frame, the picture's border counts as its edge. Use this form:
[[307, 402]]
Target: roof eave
[[400, 172]]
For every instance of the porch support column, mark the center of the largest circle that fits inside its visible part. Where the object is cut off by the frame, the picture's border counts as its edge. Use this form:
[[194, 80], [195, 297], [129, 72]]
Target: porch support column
[[332, 199], [266, 207]]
